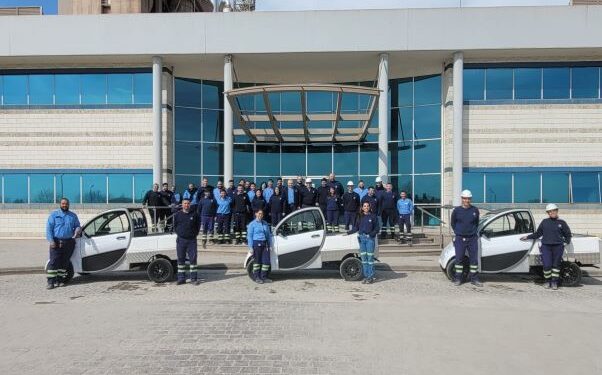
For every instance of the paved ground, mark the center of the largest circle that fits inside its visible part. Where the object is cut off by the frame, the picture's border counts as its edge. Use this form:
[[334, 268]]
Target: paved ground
[[306, 323]]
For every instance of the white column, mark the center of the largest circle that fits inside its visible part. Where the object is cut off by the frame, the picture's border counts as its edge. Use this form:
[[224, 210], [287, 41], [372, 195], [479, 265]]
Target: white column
[[458, 83], [157, 117], [383, 116], [228, 122]]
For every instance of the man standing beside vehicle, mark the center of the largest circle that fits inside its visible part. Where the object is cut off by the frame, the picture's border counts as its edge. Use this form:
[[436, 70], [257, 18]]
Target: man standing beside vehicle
[[166, 198], [351, 205], [186, 226], [464, 223], [62, 228], [366, 226], [323, 191], [554, 233], [259, 238], [154, 201], [405, 208]]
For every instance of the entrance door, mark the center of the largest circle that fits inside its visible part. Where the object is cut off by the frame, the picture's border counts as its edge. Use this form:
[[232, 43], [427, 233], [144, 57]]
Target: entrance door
[[105, 240], [299, 238], [501, 247]]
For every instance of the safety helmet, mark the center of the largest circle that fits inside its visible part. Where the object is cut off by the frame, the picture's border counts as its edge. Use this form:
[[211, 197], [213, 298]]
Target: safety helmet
[[308, 179], [378, 179], [551, 207], [466, 194], [350, 183]]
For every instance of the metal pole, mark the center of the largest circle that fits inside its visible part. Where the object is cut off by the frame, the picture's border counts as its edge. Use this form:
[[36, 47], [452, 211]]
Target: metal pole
[[157, 123], [383, 116], [228, 122], [457, 128]]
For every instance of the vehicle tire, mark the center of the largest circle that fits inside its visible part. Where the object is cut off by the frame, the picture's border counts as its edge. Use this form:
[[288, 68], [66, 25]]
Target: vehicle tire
[[250, 269], [160, 270], [351, 269], [450, 270], [570, 274]]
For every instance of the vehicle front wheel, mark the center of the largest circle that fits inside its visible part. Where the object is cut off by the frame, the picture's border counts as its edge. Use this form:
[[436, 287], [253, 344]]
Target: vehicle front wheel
[[160, 270], [450, 270], [570, 274], [351, 269]]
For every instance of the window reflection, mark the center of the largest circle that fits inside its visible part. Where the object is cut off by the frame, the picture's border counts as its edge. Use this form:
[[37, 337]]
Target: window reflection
[[498, 187], [555, 187], [15, 188], [41, 188]]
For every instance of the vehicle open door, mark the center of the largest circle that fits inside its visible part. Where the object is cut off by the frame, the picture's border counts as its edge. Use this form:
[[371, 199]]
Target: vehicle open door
[[501, 247], [105, 239], [299, 238]]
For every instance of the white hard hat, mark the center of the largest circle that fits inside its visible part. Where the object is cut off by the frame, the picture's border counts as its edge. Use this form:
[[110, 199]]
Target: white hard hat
[[378, 179], [466, 194], [350, 183], [308, 179], [551, 207]]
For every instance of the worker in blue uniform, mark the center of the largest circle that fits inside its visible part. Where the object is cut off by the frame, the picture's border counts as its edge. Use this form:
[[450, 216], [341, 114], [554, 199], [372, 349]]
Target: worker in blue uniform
[[371, 199], [192, 194], [223, 217], [219, 187], [333, 204], [251, 191], [231, 190], [338, 187], [207, 210], [259, 238], [388, 211], [361, 189], [351, 205], [154, 200], [240, 209], [258, 202], [277, 206], [186, 226], [62, 228], [291, 194], [176, 198], [464, 222], [554, 233], [366, 226], [405, 209], [323, 191], [309, 195]]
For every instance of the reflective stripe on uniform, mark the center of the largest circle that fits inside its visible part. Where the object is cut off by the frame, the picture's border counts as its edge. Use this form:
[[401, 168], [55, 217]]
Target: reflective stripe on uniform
[[265, 267]]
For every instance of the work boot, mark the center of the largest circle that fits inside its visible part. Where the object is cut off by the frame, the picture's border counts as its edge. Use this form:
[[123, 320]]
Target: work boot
[[476, 282], [259, 281], [204, 244], [457, 282], [370, 280], [554, 285], [547, 285], [50, 286], [267, 281], [180, 282], [364, 281]]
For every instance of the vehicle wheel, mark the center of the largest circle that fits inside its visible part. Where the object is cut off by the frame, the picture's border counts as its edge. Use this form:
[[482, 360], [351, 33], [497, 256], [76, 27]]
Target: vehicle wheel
[[250, 269], [570, 274], [351, 269], [450, 270], [160, 270]]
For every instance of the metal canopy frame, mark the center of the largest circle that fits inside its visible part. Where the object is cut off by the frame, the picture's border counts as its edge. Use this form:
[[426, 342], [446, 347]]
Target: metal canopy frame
[[306, 133]]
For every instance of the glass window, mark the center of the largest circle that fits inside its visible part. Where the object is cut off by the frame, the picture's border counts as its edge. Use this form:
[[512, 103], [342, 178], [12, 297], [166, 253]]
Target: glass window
[[243, 159], [68, 186], [502, 226], [94, 88], [41, 89], [405, 92], [555, 187], [318, 101], [182, 182], [427, 155], [586, 82], [120, 188], [289, 102], [41, 188], [585, 187], [344, 160], [474, 182], [142, 184], [119, 88], [213, 130], [66, 88], [15, 90], [527, 83], [293, 160], [15, 188], [498, 188], [188, 157], [350, 102], [400, 183], [319, 159], [427, 90], [94, 188], [108, 223], [556, 83], [400, 158], [268, 160], [474, 84], [427, 122], [369, 159], [526, 187], [427, 189], [212, 94], [401, 119], [188, 124], [300, 223], [188, 93], [499, 83], [213, 164], [143, 88]]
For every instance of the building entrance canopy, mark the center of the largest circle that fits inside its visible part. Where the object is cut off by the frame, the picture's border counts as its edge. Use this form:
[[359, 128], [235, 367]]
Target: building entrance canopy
[[304, 112]]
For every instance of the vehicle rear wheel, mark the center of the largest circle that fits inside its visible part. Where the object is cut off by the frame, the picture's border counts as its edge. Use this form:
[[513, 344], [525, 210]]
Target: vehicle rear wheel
[[160, 270], [450, 270], [351, 269], [570, 274]]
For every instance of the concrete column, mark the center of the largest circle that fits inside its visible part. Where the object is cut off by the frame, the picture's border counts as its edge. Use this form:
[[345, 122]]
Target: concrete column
[[383, 116], [228, 122], [458, 83], [157, 123]]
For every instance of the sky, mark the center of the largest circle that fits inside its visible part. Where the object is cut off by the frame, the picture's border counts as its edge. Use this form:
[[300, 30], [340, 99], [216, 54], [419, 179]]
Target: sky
[[48, 6]]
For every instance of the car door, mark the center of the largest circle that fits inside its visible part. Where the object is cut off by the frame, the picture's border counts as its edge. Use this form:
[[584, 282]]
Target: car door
[[501, 247], [105, 240], [298, 238]]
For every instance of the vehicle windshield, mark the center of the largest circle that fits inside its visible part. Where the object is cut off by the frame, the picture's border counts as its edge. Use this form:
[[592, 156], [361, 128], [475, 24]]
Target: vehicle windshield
[[485, 217]]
